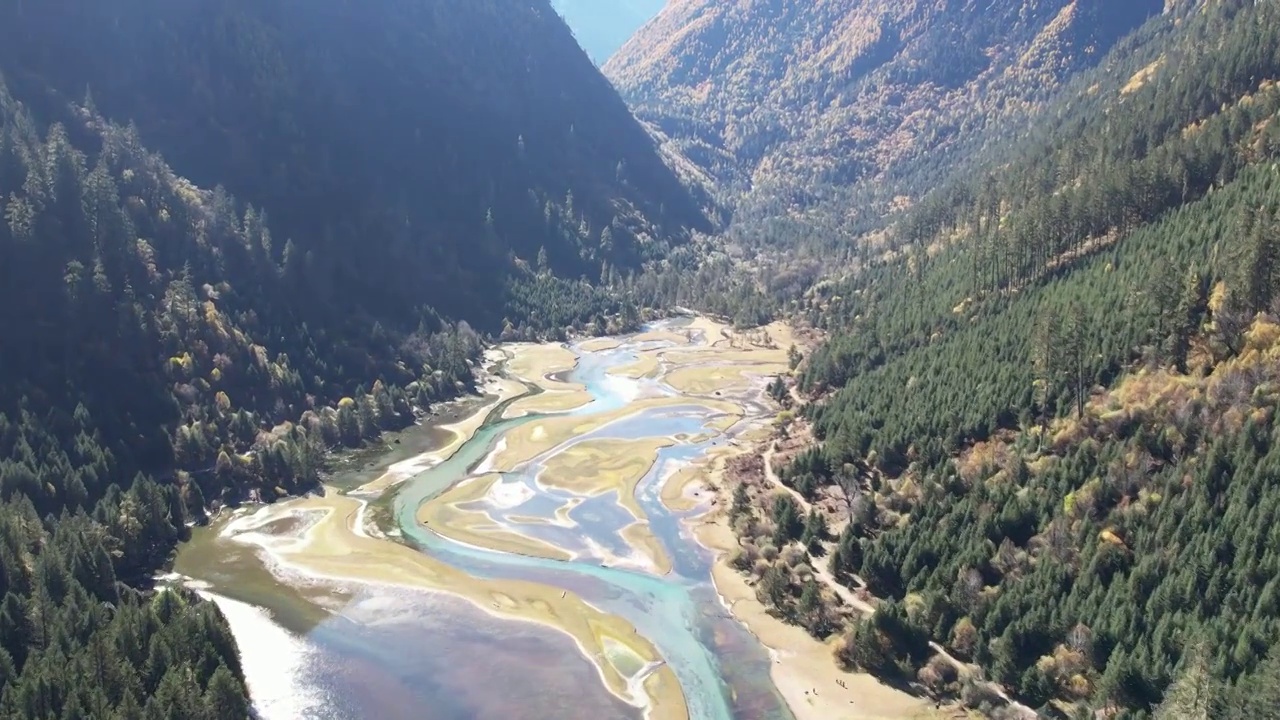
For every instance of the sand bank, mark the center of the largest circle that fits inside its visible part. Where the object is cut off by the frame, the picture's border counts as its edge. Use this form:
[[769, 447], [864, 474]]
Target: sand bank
[[708, 379], [646, 365], [596, 467], [501, 388], [548, 401], [534, 362], [652, 553], [475, 527], [537, 437], [801, 663], [729, 361], [600, 344], [679, 337], [688, 488]]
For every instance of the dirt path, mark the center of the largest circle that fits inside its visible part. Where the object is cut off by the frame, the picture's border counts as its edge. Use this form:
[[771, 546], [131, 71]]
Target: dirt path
[[776, 481], [822, 573]]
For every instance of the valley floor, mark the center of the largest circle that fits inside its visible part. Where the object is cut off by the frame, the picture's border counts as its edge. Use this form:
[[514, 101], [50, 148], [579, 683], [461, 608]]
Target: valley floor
[[699, 384]]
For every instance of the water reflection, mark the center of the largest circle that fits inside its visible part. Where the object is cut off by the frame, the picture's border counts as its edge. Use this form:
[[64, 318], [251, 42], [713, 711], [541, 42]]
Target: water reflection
[[313, 650]]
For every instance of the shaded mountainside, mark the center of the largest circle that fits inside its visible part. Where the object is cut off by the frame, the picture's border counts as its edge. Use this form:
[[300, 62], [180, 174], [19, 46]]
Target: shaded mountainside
[[158, 360], [602, 26], [412, 147], [1046, 420], [789, 102], [364, 181]]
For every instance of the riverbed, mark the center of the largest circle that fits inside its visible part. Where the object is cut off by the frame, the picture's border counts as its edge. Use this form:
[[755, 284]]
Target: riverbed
[[537, 561]]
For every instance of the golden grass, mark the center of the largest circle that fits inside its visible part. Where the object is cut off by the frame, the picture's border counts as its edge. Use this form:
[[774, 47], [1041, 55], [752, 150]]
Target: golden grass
[[753, 357], [671, 336], [548, 402], [600, 344], [534, 362], [646, 365], [597, 467], [687, 488], [534, 438], [444, 516], [707, 380]]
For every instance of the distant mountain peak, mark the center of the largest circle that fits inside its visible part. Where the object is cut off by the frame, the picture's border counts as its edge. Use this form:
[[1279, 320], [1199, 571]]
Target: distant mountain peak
[[797, 96]]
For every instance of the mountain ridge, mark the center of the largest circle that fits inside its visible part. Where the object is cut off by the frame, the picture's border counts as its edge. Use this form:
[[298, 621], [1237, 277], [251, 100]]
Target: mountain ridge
[[296, 108], [240, 235], [1042, 430], [785, 99]]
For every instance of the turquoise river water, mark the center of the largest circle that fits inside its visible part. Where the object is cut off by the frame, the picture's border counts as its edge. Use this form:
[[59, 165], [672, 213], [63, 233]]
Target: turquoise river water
[[370, 651]]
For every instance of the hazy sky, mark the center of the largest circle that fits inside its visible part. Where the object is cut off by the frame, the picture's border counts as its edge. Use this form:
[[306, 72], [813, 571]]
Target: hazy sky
[[602, 26]]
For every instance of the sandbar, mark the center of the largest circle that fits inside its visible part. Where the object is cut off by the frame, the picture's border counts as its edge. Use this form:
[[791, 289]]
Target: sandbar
[[551, 401], [475, 527], [502, 388], [534, 438], [640, 536], [704, 380], [728, 356], [646, 365], [596, 467], [671, 336], [685, 489], [534, 362], [600, 344]]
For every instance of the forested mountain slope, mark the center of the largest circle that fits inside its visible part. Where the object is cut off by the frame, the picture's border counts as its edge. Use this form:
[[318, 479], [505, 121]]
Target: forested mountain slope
[[123, 340], [365, 181], [411, 147], [1053, 407], [790, 103], [602, 26]]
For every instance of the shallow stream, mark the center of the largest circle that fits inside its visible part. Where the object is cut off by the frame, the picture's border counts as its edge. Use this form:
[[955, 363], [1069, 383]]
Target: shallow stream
[[371, 651]]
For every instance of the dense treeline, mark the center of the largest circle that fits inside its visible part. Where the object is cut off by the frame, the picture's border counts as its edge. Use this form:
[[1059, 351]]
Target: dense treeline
[[155, 326], [716, 276], [76, 643], [162, 354], [1058, 425], [1137, 530], [170, 349], [1106, 174]]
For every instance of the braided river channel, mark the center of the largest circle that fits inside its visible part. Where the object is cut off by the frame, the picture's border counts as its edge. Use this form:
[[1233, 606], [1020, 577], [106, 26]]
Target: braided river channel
[[533, 558]]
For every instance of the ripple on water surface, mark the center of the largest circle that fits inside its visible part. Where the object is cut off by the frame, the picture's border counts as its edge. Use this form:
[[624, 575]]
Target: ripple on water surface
[[398, 654]]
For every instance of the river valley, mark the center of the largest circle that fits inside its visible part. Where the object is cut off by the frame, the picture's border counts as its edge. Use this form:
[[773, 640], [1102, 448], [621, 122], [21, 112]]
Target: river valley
[[540, 561]]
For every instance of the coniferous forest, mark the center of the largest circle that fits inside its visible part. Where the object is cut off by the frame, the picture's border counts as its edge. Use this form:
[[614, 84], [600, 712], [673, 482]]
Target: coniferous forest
[[356, 223], [1041, 242], [1052, 398]]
